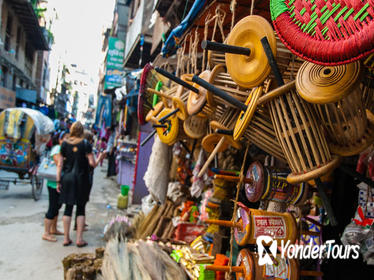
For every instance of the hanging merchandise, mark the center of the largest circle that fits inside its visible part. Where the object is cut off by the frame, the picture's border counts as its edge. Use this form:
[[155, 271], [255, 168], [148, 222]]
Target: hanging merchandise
[[337, 97], [170, 43], [156, 176], [327, 33], [104, 111], [256, 134], [198, 182]]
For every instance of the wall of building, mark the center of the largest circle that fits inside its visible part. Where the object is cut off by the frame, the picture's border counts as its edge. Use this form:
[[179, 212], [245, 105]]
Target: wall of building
[[19, 60], [135, 28]]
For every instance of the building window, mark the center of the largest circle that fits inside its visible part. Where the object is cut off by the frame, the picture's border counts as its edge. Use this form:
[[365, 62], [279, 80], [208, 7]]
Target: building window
[[21, 83], [14, 82], [29, 53], [8, 33], [45, 73], [4, 76], [18, 41], [134, 8]]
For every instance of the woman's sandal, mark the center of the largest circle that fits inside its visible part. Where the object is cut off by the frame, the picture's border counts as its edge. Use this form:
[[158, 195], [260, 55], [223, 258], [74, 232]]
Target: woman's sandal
[[83, 244], [49, 238], [67, 244]]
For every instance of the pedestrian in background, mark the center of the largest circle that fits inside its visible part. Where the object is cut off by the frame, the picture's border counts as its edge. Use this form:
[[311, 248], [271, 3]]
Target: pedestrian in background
[[50, 221], [102, 147], [111, 149], [89, 137], [73, 180]]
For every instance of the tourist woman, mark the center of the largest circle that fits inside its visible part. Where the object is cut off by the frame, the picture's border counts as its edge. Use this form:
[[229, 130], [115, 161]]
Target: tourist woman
[[50, 221], [73, 180]]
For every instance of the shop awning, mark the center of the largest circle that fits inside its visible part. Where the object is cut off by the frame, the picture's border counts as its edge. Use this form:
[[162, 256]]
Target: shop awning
[[26, 15], [27, 95]]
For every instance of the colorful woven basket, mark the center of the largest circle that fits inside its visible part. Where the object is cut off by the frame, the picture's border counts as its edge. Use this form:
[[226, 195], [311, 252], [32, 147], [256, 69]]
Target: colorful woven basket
[[327, 32]]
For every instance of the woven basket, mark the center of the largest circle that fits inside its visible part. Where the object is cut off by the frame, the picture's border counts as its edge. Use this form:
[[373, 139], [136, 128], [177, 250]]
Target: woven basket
[[327, 32]]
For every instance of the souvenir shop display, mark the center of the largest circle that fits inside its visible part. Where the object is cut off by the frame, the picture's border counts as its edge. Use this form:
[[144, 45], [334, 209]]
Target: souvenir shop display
[[256, 135]]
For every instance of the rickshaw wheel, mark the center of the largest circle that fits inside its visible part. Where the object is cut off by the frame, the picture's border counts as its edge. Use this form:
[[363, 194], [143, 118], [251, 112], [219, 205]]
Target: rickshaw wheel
[[36, 187]]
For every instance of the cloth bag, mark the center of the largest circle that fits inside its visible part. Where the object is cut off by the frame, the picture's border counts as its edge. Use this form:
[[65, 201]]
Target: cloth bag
[[47, 169], [156, 177]]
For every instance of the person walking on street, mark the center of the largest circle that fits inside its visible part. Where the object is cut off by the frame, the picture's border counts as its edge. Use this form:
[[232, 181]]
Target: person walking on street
[[88, 135], [50, 221], [111, 150], [73, 180]]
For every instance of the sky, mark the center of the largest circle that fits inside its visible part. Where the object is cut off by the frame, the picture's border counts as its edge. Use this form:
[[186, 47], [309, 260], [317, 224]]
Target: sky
[[78, 33]]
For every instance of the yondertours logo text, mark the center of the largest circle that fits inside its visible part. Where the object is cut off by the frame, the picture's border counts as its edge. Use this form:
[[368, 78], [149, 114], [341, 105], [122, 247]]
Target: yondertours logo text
[[328, 250]]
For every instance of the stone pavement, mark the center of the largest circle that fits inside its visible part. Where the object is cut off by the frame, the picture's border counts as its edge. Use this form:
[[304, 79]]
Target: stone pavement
[[23, 253]]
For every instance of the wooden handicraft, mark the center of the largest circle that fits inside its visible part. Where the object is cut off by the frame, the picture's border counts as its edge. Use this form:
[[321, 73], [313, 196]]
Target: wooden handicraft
[[337, 99], [197, 102], [251, 223], [171, 130], [195, 126], [245, 58], [261, 183], [300, 136]]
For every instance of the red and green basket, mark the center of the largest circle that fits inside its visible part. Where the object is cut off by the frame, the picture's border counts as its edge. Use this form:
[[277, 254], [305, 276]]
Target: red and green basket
[[327, 32]]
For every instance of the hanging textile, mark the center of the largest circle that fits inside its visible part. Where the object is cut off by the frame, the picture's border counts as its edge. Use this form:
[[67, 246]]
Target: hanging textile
[[170, 44]]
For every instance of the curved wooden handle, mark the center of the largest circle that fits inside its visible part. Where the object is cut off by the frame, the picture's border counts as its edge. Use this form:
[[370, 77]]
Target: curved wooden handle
[[276, 92], [232, 178], [224, 268], [211, 157], [222, 223]]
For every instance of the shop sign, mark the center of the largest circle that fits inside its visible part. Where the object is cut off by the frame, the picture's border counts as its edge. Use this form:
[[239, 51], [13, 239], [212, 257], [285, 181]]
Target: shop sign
[[27, 95], [115, 54], [113, 78], [7, 98]]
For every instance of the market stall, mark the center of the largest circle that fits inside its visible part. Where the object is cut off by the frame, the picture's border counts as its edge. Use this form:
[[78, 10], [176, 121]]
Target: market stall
[[263, 136]]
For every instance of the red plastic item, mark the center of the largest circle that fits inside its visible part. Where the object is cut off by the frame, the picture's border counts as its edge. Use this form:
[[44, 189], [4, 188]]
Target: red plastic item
[[221, 260], [188, 232]]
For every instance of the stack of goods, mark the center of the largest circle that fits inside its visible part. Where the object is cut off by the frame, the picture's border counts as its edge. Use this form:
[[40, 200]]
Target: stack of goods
[[138, 261], [158, 223], [83, 266], [193, 261]]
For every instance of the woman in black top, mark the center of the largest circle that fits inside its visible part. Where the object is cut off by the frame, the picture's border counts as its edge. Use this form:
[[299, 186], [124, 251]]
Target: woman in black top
[[73, 180]]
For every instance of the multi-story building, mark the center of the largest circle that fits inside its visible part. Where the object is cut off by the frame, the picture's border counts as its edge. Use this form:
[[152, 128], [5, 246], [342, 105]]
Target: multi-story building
[[21, 37], [82, 88], [139, 34]]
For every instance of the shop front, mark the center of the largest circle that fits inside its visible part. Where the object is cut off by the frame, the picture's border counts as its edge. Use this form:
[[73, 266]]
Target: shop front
[[7, 98]]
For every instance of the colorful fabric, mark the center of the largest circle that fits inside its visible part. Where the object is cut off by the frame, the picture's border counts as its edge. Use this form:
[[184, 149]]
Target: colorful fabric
[[328, 32], [170, 43]]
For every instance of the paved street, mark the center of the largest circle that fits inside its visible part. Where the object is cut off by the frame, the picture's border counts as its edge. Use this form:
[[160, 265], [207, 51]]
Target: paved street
[[23, 254]]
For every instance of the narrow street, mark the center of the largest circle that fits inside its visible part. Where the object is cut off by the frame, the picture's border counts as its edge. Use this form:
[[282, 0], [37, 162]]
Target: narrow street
[[23, 253]]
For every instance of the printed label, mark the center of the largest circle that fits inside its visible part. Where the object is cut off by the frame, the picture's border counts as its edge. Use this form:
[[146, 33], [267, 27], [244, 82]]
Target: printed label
[[270, 226], [277, 272]]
